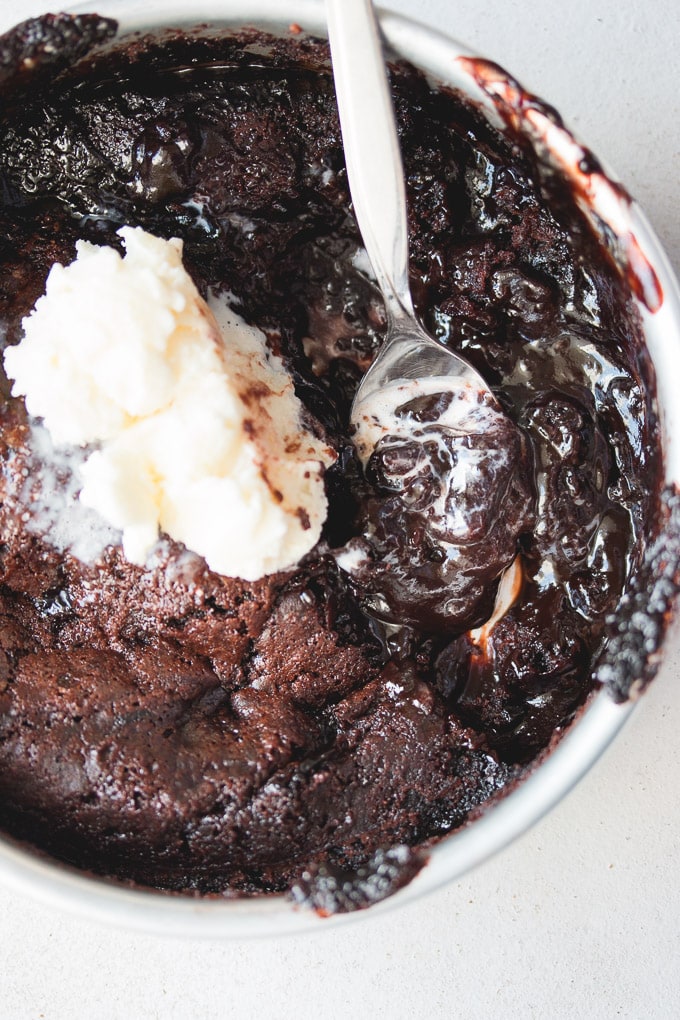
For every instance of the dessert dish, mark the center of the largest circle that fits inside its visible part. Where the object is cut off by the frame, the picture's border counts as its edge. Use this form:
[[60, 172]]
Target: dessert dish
[[174, 727]]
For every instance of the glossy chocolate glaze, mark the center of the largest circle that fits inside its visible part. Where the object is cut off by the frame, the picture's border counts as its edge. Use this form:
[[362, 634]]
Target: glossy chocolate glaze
[[450, 500], [193, 732]]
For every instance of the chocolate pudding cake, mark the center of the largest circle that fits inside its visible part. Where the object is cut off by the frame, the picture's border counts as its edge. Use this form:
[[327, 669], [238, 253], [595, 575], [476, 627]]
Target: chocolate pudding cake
[[317, 728]]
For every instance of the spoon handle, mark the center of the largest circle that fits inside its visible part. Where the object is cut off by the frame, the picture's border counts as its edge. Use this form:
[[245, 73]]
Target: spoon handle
[[374, 167]]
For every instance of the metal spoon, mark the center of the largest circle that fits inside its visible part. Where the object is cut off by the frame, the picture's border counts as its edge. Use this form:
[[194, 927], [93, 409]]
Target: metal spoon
[[410, 362]]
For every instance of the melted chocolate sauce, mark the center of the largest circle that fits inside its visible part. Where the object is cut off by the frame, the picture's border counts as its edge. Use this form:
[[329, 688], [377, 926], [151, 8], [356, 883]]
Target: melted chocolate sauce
[[443, 519]]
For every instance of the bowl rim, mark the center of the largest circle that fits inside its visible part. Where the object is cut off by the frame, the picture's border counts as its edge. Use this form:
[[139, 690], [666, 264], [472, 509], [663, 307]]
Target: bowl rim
[[149, 910]]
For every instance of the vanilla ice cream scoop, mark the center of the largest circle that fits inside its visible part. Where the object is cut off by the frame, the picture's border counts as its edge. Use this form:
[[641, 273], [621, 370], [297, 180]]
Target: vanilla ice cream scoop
[[192, 424]]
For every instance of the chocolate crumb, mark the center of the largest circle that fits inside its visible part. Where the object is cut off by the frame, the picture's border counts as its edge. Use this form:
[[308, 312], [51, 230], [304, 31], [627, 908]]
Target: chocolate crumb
[[329, 889], [633, 634], [304, 517]]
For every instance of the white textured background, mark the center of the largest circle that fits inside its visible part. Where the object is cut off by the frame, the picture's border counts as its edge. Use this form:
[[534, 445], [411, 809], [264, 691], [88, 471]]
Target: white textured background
[[581, 917]]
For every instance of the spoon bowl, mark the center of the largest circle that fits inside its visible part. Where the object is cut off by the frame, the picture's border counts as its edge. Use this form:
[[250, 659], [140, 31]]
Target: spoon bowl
[[412, 365]]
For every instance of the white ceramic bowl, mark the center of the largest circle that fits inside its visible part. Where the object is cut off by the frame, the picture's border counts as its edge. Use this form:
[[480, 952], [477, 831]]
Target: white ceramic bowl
[[601, 719]]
